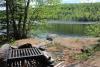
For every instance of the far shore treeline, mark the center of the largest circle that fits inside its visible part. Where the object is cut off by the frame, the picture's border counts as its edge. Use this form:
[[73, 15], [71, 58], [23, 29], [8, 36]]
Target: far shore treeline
[[75, 12]]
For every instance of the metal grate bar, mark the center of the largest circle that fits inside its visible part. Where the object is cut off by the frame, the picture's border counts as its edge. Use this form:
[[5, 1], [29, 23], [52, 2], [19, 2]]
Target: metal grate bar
[[34, 52], [27, 52]]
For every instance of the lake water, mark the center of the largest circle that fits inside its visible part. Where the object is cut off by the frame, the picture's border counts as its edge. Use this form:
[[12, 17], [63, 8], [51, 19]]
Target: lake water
[[68, 27]]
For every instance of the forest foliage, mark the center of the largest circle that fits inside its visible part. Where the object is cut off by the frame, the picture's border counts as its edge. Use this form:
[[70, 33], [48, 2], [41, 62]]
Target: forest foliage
[[19, 16], [75, 12]]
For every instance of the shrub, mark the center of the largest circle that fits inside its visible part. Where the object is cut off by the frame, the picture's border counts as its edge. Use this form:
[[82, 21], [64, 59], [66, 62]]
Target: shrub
[[93, 30]]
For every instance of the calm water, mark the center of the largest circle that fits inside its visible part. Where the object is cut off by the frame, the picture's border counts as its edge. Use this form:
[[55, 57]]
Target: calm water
[[68, 28]]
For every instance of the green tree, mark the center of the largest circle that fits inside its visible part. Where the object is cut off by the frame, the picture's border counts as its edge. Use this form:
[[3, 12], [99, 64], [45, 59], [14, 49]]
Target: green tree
[[19, 16], [16, 16], [93, 30]]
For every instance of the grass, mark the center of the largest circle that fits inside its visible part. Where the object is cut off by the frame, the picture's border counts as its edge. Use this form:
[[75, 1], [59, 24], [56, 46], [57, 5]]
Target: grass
[[83, 56], [12, 41], [87, 53]]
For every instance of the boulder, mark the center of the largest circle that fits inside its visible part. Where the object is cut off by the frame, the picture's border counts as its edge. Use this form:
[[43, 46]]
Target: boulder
[[6, 47], [2, 57], [48, 56], [4, 51]]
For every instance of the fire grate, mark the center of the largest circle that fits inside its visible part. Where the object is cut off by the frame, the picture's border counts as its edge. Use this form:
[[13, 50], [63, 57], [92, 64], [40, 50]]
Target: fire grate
[[27, 57], [24, 53]]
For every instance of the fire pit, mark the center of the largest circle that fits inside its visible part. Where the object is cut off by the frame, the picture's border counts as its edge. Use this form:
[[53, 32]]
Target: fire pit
[[27, 57]]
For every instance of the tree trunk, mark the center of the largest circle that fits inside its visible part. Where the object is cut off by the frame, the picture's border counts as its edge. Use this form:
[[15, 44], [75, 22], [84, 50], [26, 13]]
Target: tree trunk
[[7, 19], [16, 35], [25, 19], [19, 29], [19, 26]]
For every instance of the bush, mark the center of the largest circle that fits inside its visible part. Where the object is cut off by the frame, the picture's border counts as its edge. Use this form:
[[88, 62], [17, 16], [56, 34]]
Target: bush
[[88, 52], [93, 30]]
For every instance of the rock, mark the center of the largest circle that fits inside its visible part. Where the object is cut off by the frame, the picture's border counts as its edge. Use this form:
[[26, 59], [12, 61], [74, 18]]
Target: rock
[[6, 47], [42, 48], [27, 45], [48, 56], [14, 47], [50, 37], [2, 57], [61, 64], [4, 51]]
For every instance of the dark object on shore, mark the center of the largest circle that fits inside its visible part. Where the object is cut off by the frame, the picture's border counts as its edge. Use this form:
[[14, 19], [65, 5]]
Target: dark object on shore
[[50, 39], [27, 45]]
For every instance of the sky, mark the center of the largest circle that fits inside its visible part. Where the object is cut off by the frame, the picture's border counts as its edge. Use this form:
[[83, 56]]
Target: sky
[[80, 1]]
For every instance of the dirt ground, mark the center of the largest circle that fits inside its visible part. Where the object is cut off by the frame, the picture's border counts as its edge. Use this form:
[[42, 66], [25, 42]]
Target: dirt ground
[[67, 42], [59, 51], [32, 41], [77, 43]]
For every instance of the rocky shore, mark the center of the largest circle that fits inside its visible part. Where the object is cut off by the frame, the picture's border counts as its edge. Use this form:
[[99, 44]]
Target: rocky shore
[[62, 50]]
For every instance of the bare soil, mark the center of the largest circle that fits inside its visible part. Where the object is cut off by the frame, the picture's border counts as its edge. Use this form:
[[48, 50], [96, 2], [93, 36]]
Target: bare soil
[[77, 43], [60, 51]]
